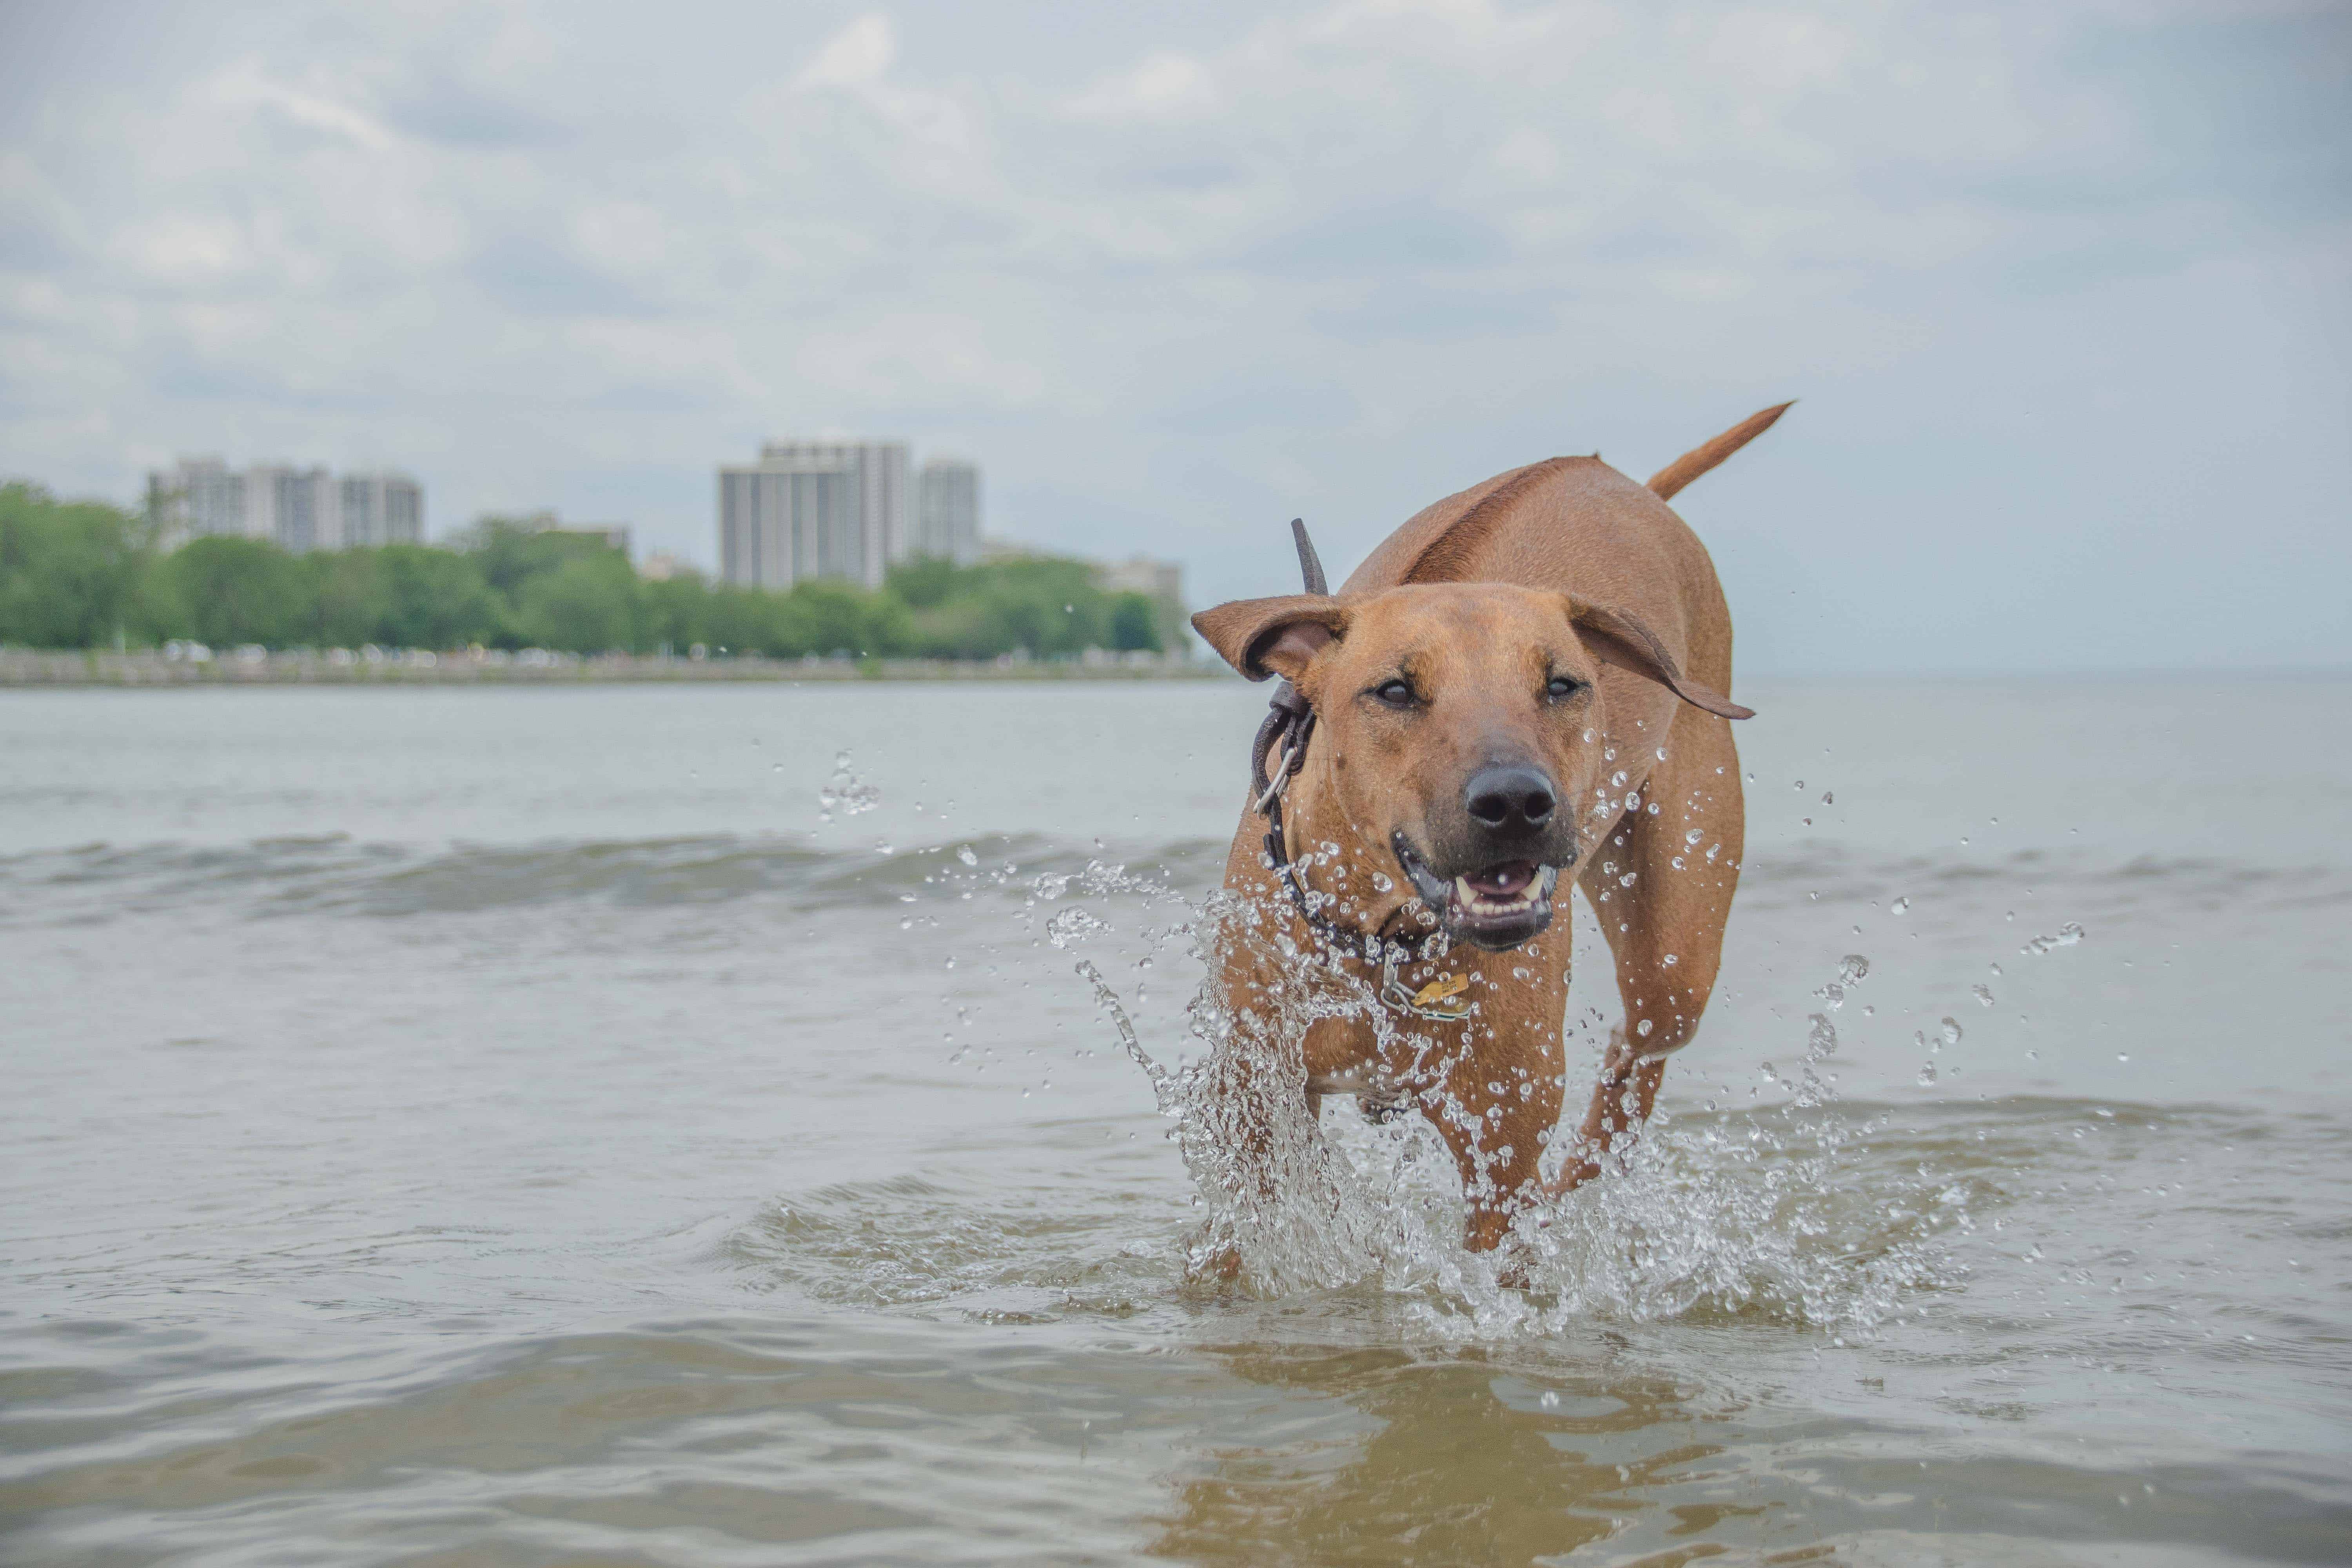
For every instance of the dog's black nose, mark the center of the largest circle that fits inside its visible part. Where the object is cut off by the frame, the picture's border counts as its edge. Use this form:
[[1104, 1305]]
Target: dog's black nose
[[1506, 798]]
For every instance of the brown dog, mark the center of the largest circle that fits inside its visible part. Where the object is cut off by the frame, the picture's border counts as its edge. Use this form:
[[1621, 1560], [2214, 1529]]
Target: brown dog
[[1523, 680]]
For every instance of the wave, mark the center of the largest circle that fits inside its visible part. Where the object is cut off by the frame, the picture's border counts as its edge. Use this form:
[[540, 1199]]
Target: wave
[[335, 874]]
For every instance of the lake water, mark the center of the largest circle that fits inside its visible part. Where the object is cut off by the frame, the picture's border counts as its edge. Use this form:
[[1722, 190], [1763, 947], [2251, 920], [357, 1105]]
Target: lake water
[[487, 1126]]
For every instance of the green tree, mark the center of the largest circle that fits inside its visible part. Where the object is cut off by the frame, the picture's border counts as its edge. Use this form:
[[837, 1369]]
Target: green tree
[[922, 582], [224, 590], [510, 551], [676, 611], [69, 571], [588, 605], [349, 598], [437, 599], [738, 620], [834, 617], [1135, 624]]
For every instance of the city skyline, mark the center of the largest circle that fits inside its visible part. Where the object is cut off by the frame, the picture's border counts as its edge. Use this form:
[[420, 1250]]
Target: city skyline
[[849, 510], [2061, 288]]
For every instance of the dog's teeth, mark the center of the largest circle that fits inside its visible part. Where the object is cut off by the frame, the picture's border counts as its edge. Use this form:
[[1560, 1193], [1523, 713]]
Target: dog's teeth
[[1463, 893]]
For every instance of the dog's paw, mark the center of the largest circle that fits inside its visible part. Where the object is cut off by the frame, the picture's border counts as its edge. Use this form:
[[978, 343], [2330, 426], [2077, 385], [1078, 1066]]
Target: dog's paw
[[1223, 1266]]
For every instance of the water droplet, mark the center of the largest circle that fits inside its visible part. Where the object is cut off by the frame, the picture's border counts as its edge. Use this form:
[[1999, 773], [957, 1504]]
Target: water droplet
[[1072, 925], [1617, 779], [2068, 935], [1828, 798], [1800, 784], [2123, 1055], [846, 792], [1926, 1074], [1898, 906], [1982, 994], [1642, 1029], [1951, 1031], [1852, 969], [965, 855]]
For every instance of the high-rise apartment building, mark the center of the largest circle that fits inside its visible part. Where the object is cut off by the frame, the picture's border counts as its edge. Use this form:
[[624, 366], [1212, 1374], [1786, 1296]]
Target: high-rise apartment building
[[298, 509], [381, 508], [947, 511], [813, 509]]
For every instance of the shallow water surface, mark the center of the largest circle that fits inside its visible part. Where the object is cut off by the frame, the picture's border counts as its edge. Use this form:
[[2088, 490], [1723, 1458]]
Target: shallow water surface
[[591, 1126]]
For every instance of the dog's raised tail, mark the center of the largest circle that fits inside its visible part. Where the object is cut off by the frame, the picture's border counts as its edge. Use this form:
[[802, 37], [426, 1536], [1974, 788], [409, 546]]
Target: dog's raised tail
[[1667, 480]]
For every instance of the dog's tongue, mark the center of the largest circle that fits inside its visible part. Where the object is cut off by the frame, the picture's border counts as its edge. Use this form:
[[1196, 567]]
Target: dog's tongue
[[1502, 881]]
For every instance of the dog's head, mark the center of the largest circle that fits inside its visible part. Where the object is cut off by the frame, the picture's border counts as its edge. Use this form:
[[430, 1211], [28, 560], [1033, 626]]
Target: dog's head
[[1460, 726]]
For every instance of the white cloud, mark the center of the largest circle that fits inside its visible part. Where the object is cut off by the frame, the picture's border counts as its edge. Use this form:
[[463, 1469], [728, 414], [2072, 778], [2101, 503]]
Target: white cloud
[[248, 85], [1164, 86], [857, 55]]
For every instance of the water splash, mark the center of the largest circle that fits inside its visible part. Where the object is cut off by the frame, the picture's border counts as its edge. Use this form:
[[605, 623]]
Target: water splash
[[846, 792], [1726, 1213], [1074, 925], [2068, 935]]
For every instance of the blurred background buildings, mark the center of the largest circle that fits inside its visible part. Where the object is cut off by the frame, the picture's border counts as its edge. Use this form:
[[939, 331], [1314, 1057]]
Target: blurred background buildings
[[813, 509], [299, 510], [841, 508], [947, 511]]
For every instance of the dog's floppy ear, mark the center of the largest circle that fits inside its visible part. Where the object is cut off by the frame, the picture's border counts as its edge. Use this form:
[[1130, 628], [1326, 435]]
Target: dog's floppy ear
[[1272, 636], [1616, 638]]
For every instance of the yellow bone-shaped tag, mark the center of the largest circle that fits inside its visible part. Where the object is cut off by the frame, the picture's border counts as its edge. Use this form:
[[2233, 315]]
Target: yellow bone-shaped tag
[[1444, 988]]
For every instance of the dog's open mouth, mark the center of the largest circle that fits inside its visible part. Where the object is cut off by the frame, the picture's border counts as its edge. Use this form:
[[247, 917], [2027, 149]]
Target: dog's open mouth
[[1495, 907]]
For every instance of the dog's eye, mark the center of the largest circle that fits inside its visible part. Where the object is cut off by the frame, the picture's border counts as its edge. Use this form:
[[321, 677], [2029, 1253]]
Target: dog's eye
[[1561, 686], [1395, 693]]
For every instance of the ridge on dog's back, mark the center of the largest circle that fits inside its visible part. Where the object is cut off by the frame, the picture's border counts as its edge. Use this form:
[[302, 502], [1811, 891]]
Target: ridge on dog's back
[[1574, 525]]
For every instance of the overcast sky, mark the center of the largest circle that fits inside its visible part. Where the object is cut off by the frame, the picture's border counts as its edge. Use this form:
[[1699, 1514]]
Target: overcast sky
[[2065, 289]]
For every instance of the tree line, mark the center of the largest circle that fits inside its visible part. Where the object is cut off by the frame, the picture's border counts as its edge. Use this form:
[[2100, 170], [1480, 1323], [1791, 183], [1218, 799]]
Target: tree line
[[81, 574]]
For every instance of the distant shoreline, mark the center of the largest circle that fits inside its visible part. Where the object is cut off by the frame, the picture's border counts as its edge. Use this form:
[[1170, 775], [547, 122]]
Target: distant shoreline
[[24, 667]]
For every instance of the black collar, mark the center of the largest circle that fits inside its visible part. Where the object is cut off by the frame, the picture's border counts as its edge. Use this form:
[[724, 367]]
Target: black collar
[[1289, 724]]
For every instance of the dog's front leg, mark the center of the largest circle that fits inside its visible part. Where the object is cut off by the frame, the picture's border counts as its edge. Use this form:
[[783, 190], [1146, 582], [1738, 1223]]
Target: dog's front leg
[[1622, 1098], [1250, 1119], [1660, 883], [1494, 1119]]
